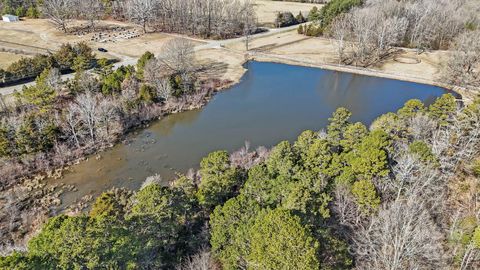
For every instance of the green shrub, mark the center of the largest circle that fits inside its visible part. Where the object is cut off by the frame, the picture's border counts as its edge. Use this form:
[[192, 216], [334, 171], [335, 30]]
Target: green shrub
[[423, 151], [147, 93], [300, 30], [285, 19], [20, 11], [313, 30], [366, 196], [476, 168], [300, 18], [280, 241], [334, 8], [32, 12]]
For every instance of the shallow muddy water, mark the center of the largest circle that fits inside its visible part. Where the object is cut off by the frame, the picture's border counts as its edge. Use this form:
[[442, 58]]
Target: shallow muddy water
[[273, 102]]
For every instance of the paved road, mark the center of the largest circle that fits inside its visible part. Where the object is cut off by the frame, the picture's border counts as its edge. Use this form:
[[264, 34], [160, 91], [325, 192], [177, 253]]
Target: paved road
[[125, 60]]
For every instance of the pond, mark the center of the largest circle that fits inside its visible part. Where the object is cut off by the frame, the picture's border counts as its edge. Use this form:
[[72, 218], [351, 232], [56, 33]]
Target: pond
[[273, 102]]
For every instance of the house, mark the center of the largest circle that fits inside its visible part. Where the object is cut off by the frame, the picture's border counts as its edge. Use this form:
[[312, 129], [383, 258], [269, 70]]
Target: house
[[10, 18]]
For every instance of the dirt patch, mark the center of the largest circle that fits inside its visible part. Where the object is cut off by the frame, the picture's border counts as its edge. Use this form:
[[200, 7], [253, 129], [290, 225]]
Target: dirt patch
[[407, 60], [269, 42], [223, 64]]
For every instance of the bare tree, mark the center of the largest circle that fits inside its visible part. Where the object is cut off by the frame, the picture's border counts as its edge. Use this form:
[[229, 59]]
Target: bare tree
[[178, 56], [433, 24], [345, 208], [402, 236], [246, 159], [463, 67], [371, 32], [199, 261], [107, 119], [86, 106], [422, 127], [341, 33], [141, 11], [130, 87], [377, 27], [96, 114], [72, 124], [248, 19], [155, 76], [59, 11], [164, 89], [83, 82], [219, 18], [91, 10], [53, 79]]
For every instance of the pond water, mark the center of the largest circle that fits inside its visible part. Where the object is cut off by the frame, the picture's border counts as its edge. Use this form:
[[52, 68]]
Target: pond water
[[273, 102]]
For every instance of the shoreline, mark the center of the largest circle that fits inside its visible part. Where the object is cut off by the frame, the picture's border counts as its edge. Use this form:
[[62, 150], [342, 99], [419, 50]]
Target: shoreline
[[235, 76], [230, 80], [51, 186], [466, 95]]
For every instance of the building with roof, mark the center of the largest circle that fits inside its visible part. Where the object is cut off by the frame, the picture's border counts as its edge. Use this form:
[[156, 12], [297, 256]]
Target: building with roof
[[10, 18]]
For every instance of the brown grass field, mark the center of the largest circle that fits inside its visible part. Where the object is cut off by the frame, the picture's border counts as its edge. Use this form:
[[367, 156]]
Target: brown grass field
[[267, 10], [6, 58]]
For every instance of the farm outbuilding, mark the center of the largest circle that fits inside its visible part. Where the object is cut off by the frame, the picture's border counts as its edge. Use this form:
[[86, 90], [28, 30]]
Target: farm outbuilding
[[10, 18]]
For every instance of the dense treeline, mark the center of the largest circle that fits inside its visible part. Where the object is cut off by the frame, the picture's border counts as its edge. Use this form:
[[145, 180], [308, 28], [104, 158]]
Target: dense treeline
[[463, 67], [21, 8], [378, 26], [336, 199], [207, 18], [369, 31], [68, 57]]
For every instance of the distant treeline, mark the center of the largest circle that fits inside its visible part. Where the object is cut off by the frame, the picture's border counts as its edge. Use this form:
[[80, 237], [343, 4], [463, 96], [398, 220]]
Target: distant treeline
[[21, 8], [212, 18]]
